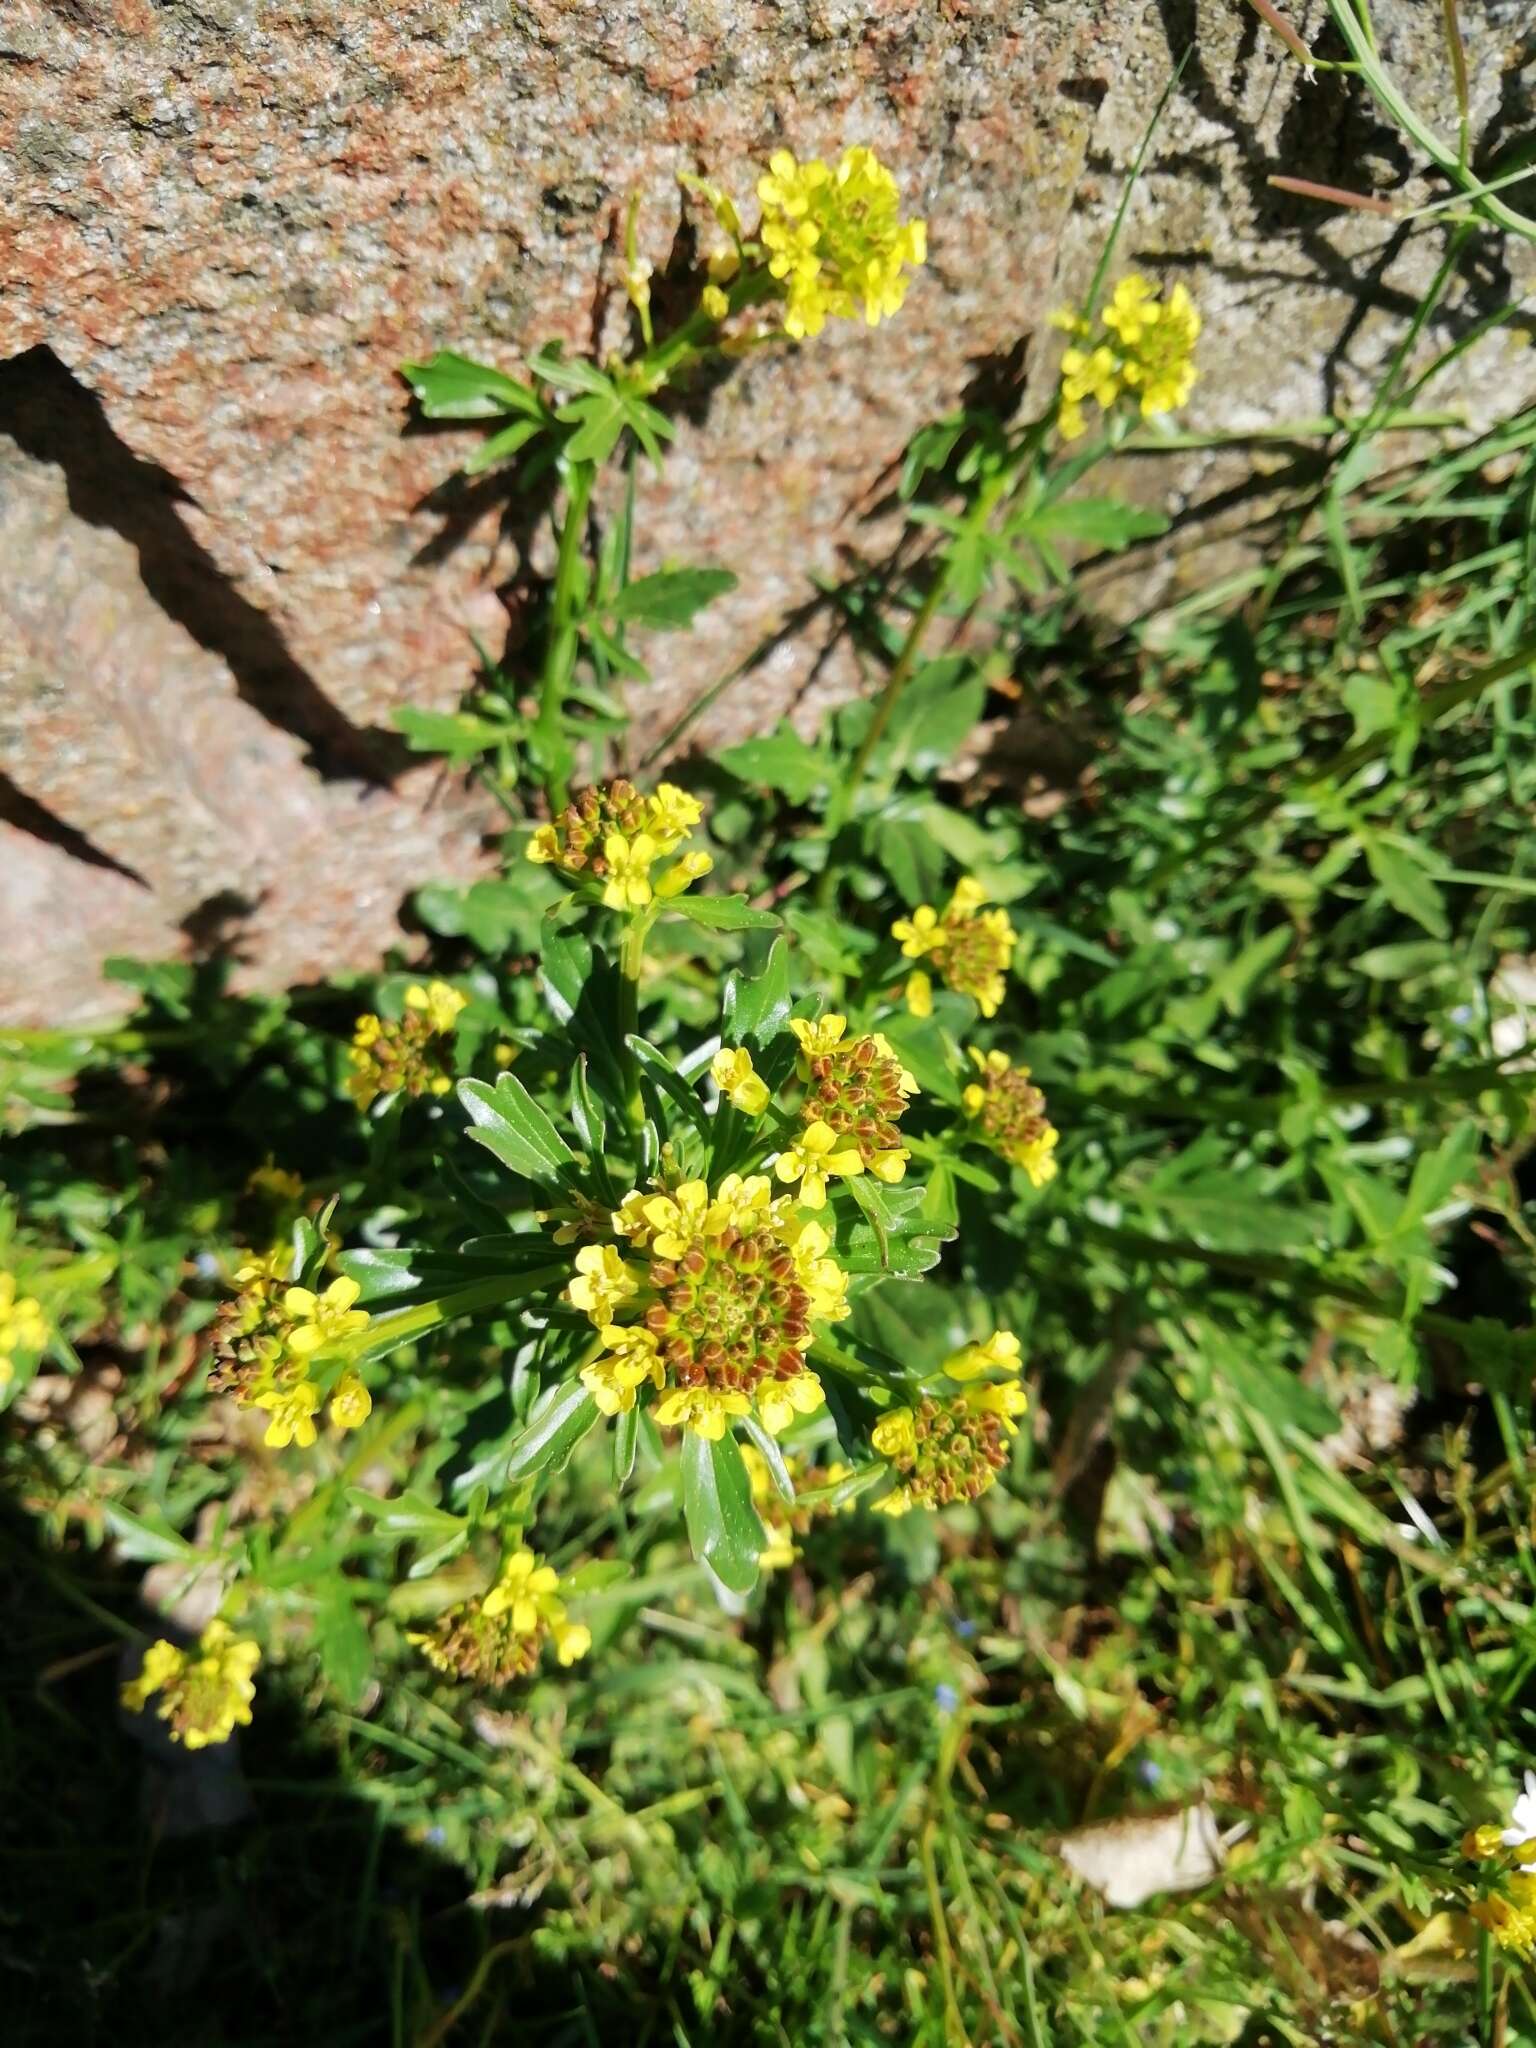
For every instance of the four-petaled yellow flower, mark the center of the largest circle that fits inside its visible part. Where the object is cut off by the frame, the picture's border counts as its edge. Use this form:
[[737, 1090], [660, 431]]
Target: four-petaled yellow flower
[[782, 1400], [673, 815], [292, 1409], [631, 1359], [734, 1075], [601, 1282], [628, 886], [323, 1322], [704, 1410], [23, 1326], [205, 1693], [835, 239], [816, 1154], [682, 875], [971, 948]]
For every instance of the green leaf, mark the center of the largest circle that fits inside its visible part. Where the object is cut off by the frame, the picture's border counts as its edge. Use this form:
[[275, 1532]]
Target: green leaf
[[755, 1012], [457, 734], [723, 913], [1105, 522], [453, 387], [508, 1122], [552, 365], [140, 1542], [400, 1277], [560, 1419], [409, 1516], [598, 423], [670, 598], [1406, 885], [717, 1507], [580, 985], [503, 446], [781, 762], [661, 1071], [935, 714]]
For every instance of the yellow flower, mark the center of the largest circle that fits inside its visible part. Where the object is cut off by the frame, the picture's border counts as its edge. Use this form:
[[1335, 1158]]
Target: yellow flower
[[970, 947], [439, 1003], [1481, 1843], [628, 886], [276, 1184], [998, 1353], [601, 1282], [674, 1220], [404, 1057], [351, 1404], [543, 849], [683, 874], [632, 1359], [835, 239], [324, 1322], [204, 1694], [1147, 351], [292, 1409], [818, 1153], [499, 1637], [818, 1038], [704, 1410], [672, 816], [738, 1080], [780, 1401], [1009, 1113], [714, 302], [23, 1326], [919, 994], [892, 1436], [1510, 1917]]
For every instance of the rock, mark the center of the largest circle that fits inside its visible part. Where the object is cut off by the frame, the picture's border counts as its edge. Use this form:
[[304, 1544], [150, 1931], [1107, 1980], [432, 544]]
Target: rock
[[227, 224]]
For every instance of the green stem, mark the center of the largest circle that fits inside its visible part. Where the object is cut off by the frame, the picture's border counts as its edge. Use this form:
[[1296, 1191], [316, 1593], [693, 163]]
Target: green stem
[[406, 1324], [631, 960], [560, 650]]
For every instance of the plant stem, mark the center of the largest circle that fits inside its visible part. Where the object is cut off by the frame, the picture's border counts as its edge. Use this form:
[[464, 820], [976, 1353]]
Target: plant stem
[[560, 651]]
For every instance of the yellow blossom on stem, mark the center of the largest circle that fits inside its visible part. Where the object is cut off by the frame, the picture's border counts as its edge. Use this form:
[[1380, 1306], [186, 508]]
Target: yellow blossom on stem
[[919, 994], [23, 1326], [817, 1154], [780, 1401], [408, 1055], [499, 1637], [682, 874], [1008, 1114], [1510, 1915], [206, 1692], [672, 815], [1146, 352], [292, 1409], [631, 1359], [734, 1075], [601, 1282], [970, 947], [858, 1088], [783, 1520], [629, 861], [734, 1284], [351, 1404], [324, 1322], [835, 239]]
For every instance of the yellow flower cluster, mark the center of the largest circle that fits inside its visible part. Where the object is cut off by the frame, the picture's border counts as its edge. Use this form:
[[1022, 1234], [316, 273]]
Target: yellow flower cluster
[[1146, 352], [720, 1291], [953, 1449], [1509, 1914], [835, 239], [1009, 1114], [970, 948], [267, 1339], [615, 836], [499, 1637], [855, 1092], [204, 1693], [23, 1326], [782, 1521], [408, 1055]]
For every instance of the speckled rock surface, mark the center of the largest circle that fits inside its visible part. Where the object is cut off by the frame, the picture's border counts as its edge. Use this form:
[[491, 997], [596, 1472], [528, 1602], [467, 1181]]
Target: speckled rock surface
[[227, 222]]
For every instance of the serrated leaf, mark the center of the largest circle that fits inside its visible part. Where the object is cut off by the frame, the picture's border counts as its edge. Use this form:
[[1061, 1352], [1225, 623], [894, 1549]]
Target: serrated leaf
[[754, 1012], [1406, 885], [455, 387], [510, 1124], [723, 1527]]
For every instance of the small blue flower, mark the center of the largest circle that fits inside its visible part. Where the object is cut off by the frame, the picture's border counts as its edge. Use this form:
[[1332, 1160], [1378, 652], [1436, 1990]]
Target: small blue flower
[[437, 1837], [1149, 1772], [964, 1628], [945, 1698]]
